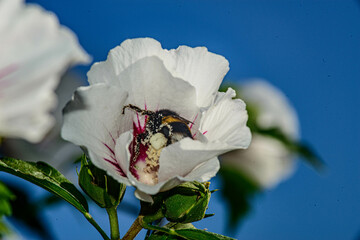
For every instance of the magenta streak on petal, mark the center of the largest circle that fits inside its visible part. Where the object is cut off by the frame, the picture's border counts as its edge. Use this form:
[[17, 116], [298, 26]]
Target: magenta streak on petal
[[112, 137], [110, 149], [8, 70], [192, 123], [157, 107], [205, 132], [116, 165], [113, 161], [193, 136], [138, 122], [5, 72]]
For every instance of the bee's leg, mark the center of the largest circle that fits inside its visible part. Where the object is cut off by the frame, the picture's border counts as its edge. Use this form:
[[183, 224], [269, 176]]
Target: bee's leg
[[137, 109], [138, 141]]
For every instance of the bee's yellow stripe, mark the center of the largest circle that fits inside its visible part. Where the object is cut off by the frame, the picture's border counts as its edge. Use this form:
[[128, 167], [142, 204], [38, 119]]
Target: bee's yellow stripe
[[170, 119]]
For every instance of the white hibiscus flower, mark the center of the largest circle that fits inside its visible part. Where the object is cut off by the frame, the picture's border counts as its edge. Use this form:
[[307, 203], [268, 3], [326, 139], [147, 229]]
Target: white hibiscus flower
[[153, 118], [267, 161], [34, 52], [52, 149]]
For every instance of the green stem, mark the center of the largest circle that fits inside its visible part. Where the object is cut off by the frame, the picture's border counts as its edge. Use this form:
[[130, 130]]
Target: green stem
[[92, 221], [140, 223], [114, 224], [134, 229]]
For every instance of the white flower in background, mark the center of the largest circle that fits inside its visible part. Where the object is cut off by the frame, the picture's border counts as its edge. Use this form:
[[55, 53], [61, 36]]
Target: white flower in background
[[34, 52], [267, 161], [175, 122], [52, 149]]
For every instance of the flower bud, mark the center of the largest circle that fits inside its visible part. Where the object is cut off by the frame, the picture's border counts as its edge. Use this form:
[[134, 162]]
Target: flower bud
[[101, 188], [187, 202]]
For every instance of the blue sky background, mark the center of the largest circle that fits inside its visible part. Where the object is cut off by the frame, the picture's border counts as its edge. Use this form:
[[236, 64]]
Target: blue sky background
[[309, 49]]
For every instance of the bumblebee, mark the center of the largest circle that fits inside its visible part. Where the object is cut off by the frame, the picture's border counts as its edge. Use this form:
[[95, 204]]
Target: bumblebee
[[162, 127]]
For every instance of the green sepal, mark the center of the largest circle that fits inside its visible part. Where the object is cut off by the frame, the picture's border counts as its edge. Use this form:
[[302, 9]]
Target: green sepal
[[46, 177], [181, 231], [101, 188]]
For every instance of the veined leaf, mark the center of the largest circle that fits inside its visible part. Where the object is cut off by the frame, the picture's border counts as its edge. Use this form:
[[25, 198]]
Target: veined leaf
[[182, 231], [46, 177]]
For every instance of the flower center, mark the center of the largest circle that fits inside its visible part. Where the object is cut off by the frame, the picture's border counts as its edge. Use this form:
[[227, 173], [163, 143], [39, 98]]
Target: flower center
[[159, 129]]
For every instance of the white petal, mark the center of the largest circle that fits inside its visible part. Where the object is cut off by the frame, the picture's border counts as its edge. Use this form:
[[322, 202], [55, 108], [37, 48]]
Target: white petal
[[94, 119], [35, 50], [226, 121], [201, 173], [202, 69], [122, 150], [122, 159], [151, 86], [25, 113], [204, 171], [122, 57], [274, 109], [153, 189], [8, 9], [266, 161], [143, 196], [180, 158], [52, 149]]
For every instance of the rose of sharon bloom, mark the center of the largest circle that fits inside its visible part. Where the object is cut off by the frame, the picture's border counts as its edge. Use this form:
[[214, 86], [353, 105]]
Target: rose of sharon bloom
[[154, 118], [266, 161], [34, 52], [57, 152]]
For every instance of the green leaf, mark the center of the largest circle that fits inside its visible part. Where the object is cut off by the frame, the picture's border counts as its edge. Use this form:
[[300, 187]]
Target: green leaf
[[238, 190], [197, 234], [309, 155], [300, 148], [46, 177], [5, 197], [5, 192], [5, 207], [183, 231], [28, 212], [163, 237]]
